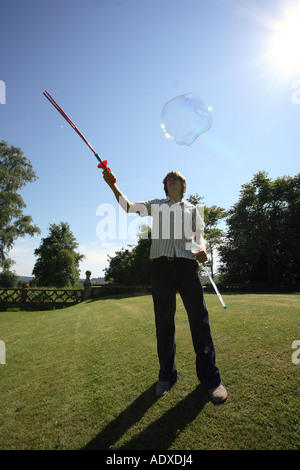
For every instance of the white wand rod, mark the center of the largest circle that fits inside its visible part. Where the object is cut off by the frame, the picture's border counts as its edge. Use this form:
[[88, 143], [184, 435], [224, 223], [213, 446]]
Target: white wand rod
[[215, 287], [195, 249]]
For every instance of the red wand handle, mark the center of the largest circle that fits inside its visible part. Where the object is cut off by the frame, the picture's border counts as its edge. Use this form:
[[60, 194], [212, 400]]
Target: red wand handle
[[103, 164]]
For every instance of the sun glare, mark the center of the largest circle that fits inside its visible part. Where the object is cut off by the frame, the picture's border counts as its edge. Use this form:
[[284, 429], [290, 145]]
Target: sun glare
[[285, 43]]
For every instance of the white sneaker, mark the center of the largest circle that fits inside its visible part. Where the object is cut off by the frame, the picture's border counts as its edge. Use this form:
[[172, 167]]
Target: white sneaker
[[218, 394]]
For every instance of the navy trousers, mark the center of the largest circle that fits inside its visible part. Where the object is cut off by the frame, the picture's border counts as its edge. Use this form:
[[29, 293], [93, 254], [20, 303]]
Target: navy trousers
[[168, 277]]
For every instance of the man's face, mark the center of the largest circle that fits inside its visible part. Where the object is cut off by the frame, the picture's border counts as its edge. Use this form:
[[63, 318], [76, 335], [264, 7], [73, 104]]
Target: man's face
[[173, 185]]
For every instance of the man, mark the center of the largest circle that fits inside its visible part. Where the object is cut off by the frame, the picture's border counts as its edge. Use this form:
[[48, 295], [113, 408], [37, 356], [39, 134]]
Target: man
[[174, 268]]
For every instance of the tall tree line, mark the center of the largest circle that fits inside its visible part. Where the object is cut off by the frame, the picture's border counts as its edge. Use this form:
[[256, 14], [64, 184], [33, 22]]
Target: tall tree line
[[57, 261], [15, 172], [261, 244]]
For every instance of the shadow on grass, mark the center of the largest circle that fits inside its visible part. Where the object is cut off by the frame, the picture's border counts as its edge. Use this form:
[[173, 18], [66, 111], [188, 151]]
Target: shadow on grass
[[160, 434]]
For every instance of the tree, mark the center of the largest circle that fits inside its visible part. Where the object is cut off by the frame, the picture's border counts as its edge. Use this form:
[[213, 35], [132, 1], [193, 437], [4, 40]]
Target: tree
[[263, 244], [57, 262], [120, 269], [8, 279], [15, 172], [213, 236], [141, 262], [131, 267]]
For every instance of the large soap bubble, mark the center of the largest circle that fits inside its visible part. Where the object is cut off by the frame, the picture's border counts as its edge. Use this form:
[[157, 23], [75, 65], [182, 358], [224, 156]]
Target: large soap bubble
[[184, 118]]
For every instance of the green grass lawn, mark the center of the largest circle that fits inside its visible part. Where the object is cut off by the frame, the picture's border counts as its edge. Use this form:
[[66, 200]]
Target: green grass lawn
[[84, 377]]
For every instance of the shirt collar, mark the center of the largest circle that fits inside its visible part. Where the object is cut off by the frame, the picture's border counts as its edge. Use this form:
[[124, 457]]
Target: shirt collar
[[169, 199]]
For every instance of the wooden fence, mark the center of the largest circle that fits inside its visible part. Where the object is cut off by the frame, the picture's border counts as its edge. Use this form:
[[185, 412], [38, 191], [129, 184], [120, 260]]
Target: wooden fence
[[53, 297], [27, 297], [31, 297]]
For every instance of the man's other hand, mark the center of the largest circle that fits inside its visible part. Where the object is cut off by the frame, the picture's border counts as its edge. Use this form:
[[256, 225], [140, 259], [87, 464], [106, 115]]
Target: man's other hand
[[200, 256]]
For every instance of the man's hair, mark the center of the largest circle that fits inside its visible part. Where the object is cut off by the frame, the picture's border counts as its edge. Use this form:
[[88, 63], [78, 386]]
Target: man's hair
[[182, 182]]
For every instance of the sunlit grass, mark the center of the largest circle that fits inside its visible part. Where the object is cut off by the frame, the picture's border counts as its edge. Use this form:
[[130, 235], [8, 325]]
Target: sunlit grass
[[84, 377]]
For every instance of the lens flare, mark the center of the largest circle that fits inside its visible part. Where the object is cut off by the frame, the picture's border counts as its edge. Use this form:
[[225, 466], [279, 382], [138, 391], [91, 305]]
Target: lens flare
[[284, 43]]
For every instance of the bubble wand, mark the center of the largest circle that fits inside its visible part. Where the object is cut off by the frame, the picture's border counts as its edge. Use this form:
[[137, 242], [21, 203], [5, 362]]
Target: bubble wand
[[215, 287], [102, 164], [195, 249]]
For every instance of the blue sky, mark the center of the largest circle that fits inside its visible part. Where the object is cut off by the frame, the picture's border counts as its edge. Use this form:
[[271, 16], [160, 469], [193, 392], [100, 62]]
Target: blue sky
[[112, 65]]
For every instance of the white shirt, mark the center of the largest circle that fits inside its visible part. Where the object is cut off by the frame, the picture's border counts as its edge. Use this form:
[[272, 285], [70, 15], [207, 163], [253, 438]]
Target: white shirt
[[174, 226]]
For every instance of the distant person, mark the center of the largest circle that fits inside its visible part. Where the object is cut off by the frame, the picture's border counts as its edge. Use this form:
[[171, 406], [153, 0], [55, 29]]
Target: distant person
[[174, 268]]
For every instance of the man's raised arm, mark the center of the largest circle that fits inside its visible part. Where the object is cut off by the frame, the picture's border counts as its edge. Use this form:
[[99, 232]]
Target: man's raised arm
[[126, 205]]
